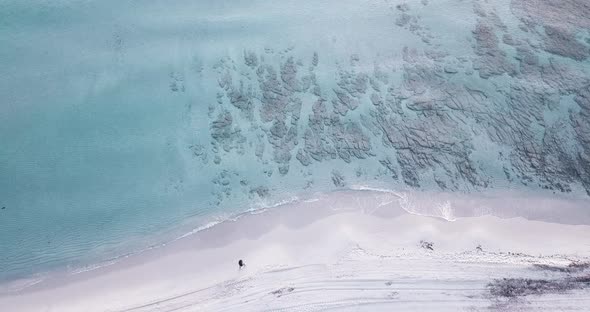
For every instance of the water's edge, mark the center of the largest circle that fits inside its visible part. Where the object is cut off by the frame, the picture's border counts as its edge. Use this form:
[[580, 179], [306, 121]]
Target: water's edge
[[377, 201]]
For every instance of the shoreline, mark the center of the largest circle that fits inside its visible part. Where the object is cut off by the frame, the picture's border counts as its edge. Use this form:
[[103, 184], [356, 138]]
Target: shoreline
[[302, 233], [390, 196]]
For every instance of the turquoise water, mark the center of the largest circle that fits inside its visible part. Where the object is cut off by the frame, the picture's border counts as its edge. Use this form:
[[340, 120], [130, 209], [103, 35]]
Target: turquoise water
[[108, 110]]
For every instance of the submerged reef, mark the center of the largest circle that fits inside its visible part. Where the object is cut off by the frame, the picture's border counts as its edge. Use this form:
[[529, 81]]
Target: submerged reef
[[523, 119]]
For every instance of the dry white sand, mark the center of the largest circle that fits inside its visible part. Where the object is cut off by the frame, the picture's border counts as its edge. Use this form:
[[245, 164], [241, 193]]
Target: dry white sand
[[345, 251]]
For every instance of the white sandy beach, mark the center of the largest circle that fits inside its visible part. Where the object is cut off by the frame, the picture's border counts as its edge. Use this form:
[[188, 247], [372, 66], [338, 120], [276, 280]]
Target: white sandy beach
[[345, 251]]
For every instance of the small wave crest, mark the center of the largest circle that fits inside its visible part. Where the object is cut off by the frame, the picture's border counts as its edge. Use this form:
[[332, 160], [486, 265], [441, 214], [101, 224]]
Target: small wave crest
[[20, 284], [442, 209], [257, 208]]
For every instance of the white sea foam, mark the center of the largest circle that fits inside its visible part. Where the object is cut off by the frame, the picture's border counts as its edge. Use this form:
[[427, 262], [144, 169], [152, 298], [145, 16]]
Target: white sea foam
[[200, 228], [96, 266], [21, 284], [443, 209], [258, 208]]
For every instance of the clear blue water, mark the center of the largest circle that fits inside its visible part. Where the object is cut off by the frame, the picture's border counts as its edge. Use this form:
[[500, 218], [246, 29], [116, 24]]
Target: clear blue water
[[106, 113]]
